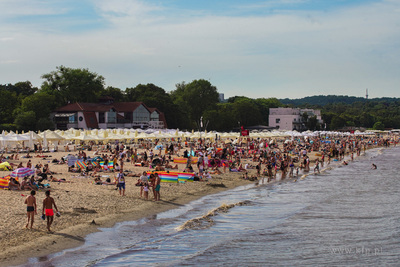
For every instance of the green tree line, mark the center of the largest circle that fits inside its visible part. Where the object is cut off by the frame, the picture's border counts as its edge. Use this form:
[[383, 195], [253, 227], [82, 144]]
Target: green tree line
[[25, 107]]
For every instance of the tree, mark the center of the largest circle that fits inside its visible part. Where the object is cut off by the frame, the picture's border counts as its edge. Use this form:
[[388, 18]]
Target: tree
[[42, 104], [26, 121], [116, 93], [196, 97], [73, 85], [156, 97], [313, 124], [8, 102], [247, 112], [379, 126], [337, 122], [25, 88], [264, 104]]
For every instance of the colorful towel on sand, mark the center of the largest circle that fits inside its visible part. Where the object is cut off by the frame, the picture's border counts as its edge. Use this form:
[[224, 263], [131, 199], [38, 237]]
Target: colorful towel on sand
[[182, 160], [4, 182], [173, 177]]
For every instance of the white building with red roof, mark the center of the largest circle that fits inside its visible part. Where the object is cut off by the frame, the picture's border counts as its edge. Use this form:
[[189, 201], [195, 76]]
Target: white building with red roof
[[108, 114]]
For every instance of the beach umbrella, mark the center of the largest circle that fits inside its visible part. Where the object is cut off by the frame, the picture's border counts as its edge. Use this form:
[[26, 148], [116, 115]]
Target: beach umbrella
[[45, 143], [16, 138], [156, 161], [2, 140], [22, 172], [31, 145]]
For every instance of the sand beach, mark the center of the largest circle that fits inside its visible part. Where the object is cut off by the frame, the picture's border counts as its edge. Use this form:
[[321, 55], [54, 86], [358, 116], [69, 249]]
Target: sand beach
[[86, 206]]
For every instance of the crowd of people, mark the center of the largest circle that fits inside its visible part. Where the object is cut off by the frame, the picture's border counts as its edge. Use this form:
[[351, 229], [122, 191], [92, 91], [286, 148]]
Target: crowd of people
[[254, 158]]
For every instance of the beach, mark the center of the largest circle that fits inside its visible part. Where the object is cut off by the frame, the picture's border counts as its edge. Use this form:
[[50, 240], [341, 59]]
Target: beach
[[85, 206]]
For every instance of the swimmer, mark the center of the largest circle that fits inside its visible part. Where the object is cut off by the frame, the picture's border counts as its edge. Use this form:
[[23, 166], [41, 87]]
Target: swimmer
[[374, 167]]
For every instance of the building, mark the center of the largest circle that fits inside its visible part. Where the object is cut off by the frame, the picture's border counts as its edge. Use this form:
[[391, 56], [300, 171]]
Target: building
[[291, 118], [108, 114]]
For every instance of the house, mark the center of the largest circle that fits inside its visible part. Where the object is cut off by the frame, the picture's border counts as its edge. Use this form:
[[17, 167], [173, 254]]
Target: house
[[291, 118], [108, 114]]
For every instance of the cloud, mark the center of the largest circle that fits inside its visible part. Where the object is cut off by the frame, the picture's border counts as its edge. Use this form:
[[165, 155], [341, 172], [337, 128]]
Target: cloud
[[13, 8], [285, 54]]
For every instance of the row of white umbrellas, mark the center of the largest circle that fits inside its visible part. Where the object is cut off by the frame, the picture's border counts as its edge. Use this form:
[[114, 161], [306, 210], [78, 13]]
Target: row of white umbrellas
[[59, 136]]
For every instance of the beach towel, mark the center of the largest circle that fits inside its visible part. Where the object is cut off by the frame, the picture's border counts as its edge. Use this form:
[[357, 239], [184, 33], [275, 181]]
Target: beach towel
[[182, 160], [4, 182], [5, 166]]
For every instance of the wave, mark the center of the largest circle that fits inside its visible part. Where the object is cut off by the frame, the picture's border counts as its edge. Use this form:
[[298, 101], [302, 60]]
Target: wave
[[206, 220]]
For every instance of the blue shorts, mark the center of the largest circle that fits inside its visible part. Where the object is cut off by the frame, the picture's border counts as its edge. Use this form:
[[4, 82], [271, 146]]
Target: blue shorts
[[121, 186], [157, 187]]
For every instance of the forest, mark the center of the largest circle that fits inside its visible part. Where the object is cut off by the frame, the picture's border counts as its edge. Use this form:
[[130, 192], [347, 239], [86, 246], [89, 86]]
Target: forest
[[25, 107]]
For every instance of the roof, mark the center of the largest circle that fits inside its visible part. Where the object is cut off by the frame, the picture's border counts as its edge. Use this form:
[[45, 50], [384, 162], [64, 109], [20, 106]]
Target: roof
[[154, 109], [91, 119], [98, 107]]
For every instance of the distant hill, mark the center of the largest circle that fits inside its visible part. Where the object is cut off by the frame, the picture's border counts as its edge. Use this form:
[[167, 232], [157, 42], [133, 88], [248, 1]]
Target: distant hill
[[322, 100]]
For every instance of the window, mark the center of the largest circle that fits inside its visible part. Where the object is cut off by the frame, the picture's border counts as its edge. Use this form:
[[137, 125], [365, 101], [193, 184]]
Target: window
[[102, 117], [278, 120], [72, 119], [141, 114], [128, 116], [112, 116]]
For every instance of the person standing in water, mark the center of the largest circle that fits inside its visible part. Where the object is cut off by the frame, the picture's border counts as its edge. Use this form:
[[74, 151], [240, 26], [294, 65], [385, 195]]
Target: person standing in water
[[316, 168], [157, 183]]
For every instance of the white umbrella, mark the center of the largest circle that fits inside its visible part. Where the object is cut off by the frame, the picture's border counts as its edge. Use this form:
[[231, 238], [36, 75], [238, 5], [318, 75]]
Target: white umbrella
[[2, 140], [30, 144], [45, 143]]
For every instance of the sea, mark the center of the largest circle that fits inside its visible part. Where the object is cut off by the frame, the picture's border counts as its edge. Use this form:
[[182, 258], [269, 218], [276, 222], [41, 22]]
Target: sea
[[344, 216]]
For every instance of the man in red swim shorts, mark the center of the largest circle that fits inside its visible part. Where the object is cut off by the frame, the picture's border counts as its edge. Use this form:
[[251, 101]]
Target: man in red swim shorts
[[48, 204]]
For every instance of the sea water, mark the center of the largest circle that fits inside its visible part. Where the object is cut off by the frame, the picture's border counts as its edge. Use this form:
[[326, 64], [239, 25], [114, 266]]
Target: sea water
[[347, 215]]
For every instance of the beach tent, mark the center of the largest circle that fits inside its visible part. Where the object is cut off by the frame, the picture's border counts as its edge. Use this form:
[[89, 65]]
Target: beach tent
[[51, 136]]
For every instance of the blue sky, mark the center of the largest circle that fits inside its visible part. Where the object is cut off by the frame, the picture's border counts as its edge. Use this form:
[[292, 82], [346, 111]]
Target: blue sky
[[255, 48]]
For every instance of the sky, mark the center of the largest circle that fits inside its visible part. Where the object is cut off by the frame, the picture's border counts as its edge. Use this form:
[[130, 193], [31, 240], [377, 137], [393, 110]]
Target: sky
[[253, 48]]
